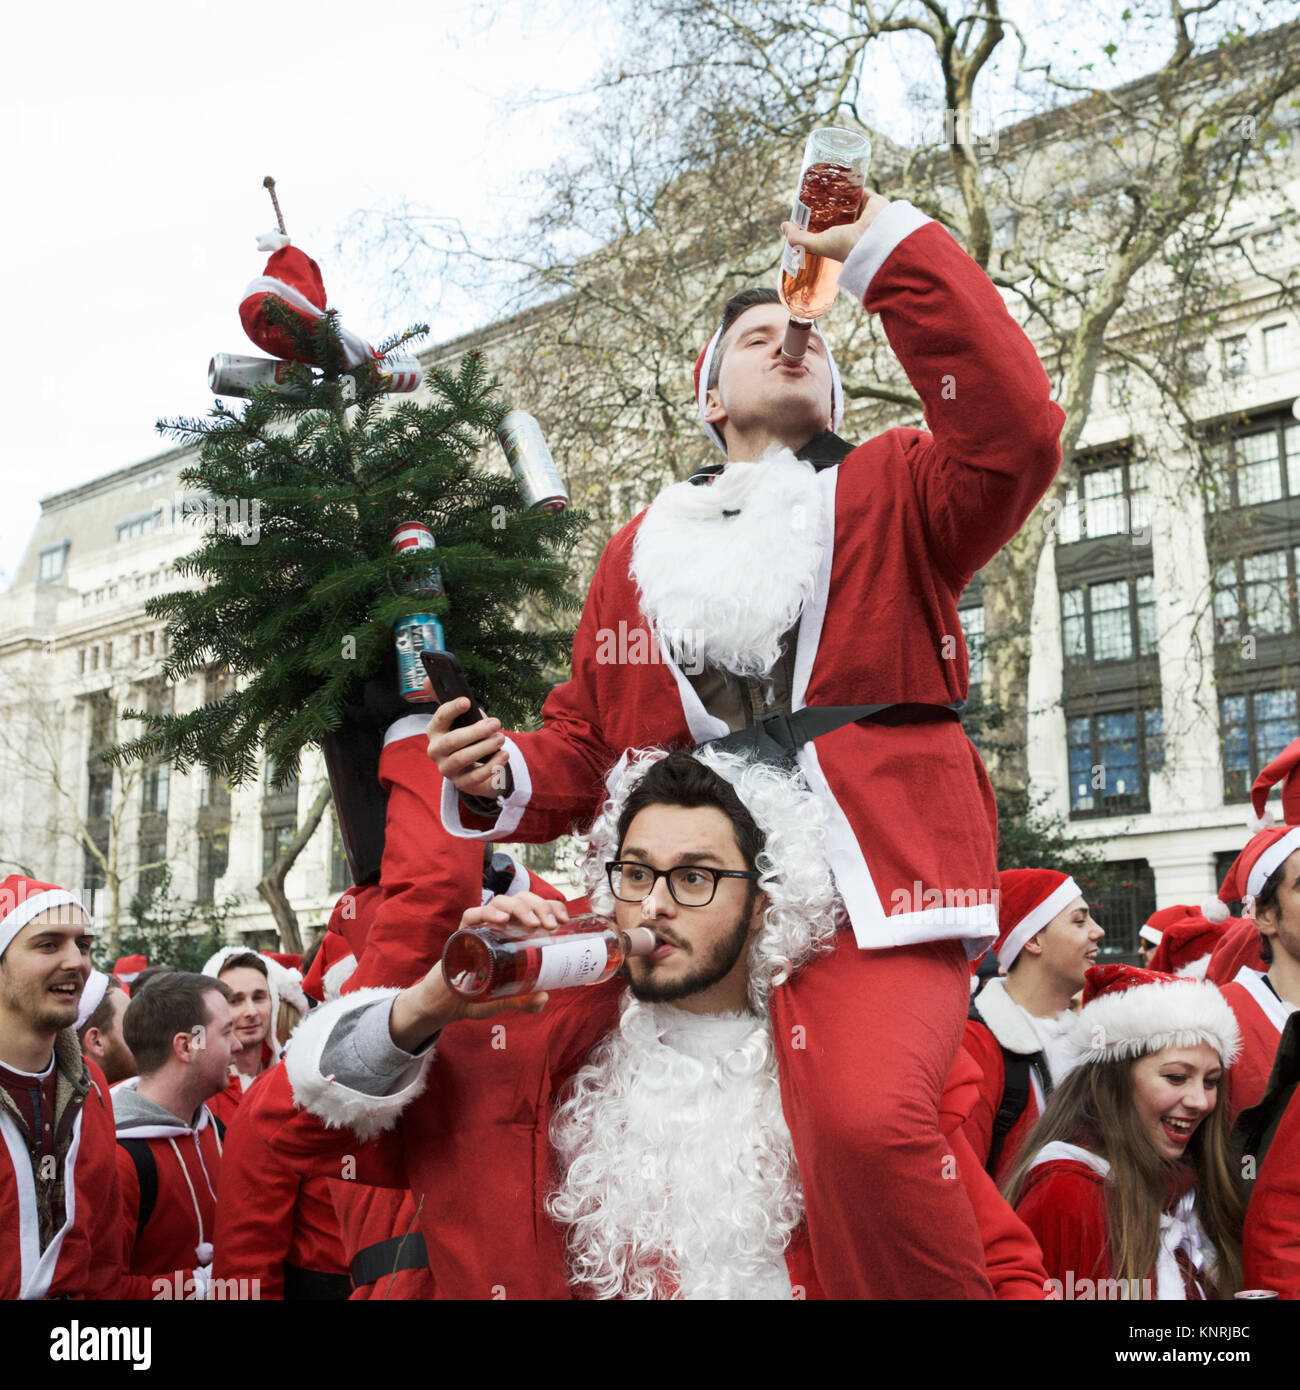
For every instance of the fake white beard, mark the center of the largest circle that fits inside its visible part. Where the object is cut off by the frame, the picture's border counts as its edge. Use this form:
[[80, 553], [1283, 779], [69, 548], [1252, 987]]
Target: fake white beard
[[723, 590], [679, 1172]]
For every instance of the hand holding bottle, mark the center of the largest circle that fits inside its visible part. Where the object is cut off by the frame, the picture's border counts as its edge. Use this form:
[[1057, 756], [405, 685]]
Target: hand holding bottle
[[837, 243], [429, 1006]]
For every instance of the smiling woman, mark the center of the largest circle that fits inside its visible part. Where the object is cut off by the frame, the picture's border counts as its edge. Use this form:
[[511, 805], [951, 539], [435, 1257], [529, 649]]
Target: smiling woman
[[1125, 1180]]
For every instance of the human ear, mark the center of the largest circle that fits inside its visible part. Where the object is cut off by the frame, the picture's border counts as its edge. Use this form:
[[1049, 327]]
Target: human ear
[[715, 413]]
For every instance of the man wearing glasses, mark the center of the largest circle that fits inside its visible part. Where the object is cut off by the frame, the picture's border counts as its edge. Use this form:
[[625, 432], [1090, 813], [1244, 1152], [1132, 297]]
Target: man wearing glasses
[[630, 1140]]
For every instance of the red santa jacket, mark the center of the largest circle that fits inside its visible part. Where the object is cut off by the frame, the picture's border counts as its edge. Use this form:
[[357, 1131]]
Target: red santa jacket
[[424, 869], [1270, 1245], [1261, 1016], [84, 1258], [1064, 1205], [187, 1165], [480, 1180], [1004, 1025], [269, 1214], [908, 518], [371, 1217]]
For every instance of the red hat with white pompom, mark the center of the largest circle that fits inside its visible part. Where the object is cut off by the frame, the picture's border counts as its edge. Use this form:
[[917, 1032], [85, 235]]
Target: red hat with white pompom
[[1155, 926], [1285, 768], [1028, 899], [1128, 1013], [1186, 944], [1266, 852], [704, 365]]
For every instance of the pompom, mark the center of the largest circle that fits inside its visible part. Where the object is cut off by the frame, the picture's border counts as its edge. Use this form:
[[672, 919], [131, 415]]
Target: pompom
[[1257, 823], [203, 1252], [1214, 911], [272, 241]]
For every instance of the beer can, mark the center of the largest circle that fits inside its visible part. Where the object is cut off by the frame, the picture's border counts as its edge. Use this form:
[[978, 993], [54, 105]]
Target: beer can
[[415, 535], [421, 632], [1256, 1293], [540, 484], [400, 374], [231, 374]]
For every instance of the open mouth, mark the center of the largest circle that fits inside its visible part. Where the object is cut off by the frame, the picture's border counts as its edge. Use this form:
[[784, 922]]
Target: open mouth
[[67, 990], [663, 950], [1179, 1130]]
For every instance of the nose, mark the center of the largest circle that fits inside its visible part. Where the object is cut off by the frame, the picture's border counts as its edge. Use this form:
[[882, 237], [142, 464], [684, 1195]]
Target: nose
[[1200, 1097], [659, 903], [1095, 932]]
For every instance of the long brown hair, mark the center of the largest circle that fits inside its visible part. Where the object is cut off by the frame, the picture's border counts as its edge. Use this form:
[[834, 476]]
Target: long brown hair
[[1094, 1107]]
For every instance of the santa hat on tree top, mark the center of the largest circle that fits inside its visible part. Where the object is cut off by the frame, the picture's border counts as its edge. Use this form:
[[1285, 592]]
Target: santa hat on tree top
[[704, 365], [1028, 899], [1285, 768], [1187, 944], [22, 899], [1266, 851], [1129, 1013]]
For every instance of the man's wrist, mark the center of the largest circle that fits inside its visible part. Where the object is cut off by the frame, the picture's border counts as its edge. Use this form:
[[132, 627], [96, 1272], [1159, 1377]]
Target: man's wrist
[[420, 1012]]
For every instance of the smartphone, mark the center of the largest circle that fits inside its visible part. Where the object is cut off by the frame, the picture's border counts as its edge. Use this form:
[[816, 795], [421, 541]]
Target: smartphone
[[449, 683]]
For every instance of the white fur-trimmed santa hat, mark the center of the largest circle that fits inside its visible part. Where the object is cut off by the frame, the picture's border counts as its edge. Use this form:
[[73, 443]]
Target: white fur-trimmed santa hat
[[704, 365], [284, 984], [1285, 768], [1265, 852], [22, 899], [1128, 1013], [805, 907], [1028, 900]]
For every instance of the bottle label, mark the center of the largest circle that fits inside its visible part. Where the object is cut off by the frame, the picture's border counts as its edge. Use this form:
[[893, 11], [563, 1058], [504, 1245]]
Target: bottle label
[[578, 961], [801, 215], [792, 259]]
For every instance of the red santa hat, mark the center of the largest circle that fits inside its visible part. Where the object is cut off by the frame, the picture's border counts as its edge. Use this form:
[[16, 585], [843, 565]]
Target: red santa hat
[[1028, 899], [285, 984], [1187, 944], [1285, 768], [128, 968], [334, 963], [91, 997], [22, 899], [1128, 1013], [292, 279], [704, 364], [1266, 851], [1155, 926]]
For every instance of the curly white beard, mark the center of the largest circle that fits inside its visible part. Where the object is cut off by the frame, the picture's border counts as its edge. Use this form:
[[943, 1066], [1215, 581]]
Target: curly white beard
[[679, 1173], [722, 590]]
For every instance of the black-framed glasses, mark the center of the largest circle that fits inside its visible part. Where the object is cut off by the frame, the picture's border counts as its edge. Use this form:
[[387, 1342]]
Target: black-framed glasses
[[691, 885]]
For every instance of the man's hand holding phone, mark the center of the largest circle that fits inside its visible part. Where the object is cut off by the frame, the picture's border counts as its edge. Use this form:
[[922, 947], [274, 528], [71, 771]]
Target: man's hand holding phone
[[472, 759]]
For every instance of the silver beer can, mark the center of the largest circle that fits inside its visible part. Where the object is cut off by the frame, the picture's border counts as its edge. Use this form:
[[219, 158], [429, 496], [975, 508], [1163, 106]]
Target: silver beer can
[[540, 484], [231, 374]]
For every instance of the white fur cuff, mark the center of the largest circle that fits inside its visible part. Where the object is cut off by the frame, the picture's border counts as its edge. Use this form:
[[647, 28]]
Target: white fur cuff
[[512, 806], [896, 222], [336, 1105]]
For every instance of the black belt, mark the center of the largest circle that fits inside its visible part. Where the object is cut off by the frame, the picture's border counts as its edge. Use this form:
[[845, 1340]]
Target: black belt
[[777, 738], [313, 1283], [389, 1257]]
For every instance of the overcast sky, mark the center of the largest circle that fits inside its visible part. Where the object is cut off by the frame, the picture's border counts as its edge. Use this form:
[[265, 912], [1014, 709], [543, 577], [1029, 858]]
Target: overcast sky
[[135, 138]]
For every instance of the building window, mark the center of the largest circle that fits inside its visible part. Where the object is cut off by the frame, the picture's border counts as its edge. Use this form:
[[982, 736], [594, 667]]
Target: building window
[[214, 856], [972, 628], [1256, 594], [1255, 728], [133, 527], [52, 560], [1236, 356], [1128, 900], [1109, 622], [154, 791], [1107, 502], [1277, 347], [99, 797], [1118, 387], [275, 840], [1111, 757], [92, 874], [1263, 466]]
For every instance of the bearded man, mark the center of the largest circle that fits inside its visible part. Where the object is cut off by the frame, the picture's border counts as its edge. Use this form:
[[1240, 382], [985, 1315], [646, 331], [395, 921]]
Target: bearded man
[[630, 1140], [802, 601]]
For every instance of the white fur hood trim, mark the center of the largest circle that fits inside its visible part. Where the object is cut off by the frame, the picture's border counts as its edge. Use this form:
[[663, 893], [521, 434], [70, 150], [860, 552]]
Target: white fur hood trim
[[1005, 1019], [336, 1105]]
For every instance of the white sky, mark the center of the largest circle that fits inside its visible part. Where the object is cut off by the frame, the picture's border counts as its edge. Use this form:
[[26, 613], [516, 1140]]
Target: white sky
[[135, 137]]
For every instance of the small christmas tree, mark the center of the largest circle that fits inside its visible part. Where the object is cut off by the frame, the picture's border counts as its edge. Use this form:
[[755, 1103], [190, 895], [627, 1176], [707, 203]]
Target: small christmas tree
[[298, 597]]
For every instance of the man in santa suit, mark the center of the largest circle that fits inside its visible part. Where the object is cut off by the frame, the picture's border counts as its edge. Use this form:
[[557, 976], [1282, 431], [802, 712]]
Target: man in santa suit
[[768, 602], [1266, 877], [651, 1120], [1017, 1027], [1270, 1246]]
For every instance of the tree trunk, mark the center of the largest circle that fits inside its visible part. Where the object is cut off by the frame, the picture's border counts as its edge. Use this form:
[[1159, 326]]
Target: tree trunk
[[271, 888]]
